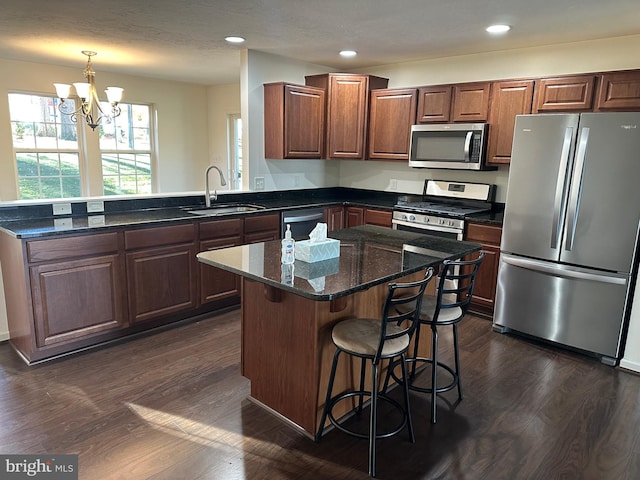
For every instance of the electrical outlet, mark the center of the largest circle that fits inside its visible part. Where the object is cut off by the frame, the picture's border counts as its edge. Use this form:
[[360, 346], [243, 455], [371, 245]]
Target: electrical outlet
[[259, 183], [62, 223], [95, 206], [96, 220], [62, 209], [393, 184]]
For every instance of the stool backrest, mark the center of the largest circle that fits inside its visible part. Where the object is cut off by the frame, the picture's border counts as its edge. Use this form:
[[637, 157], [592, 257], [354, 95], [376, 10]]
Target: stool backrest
[[409, 295], [456, 283]]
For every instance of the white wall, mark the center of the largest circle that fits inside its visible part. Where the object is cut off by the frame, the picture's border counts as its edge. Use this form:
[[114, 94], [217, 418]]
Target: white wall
[[223, 101]]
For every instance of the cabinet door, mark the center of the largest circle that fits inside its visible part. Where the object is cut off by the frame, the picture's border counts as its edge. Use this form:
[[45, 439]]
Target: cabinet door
[[564, 94], [294, 121], [381, 218], [508, 99], [215, 283], [434, 104], [484, 294], [161, 281], [334, 217], [355, 216], [392, 113], [347, 117], [619, 91], [471, 102], [77, 298]]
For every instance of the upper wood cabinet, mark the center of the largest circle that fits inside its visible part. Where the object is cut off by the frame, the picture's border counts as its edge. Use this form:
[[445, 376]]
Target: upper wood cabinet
[[462, 102], [347, 109], [564, 94], [294, 121], [471, 102], [508, 99], [391, 115], [434, 104], [619, 91]]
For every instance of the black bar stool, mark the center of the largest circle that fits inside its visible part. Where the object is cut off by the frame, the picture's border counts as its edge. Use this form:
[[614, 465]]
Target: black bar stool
[[373, 340], [446, 308]]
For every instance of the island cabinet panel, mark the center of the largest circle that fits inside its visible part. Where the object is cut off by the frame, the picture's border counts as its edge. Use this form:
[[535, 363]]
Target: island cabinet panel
[[77, 298], [564, 94], [261, 228], [161, 271], [392, 113], [619, 91], [434, 104], [508, 99], [217, 285], [294, 121], [484, 294], [471, 102], [347, 110]]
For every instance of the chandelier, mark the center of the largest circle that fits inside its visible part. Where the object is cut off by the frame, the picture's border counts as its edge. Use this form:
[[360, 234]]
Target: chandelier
[[89, 107]]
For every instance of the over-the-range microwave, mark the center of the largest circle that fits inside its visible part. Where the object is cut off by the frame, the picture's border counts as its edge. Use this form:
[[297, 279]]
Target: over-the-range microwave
[[459, 146]]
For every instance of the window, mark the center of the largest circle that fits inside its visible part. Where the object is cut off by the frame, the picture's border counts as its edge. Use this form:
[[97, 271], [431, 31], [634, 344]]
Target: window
[[125, 151], [235, 150], [46, 148]]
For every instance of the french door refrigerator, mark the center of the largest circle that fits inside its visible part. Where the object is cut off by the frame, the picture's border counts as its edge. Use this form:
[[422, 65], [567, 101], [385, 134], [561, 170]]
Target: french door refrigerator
[[570, 233]]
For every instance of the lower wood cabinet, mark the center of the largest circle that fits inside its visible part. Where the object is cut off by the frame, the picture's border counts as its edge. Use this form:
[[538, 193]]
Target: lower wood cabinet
[[334, 218], [355, 216], [261, 228], [484, 294]]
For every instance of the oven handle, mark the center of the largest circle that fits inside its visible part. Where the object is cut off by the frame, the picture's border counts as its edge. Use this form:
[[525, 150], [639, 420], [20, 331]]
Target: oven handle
[[418, 226]]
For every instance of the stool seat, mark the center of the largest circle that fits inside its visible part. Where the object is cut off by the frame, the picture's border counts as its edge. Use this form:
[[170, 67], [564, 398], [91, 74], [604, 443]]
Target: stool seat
[[361, 336], [445, 315]]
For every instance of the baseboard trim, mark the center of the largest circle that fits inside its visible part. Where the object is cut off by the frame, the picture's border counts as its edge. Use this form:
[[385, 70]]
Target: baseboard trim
[[628, 365]]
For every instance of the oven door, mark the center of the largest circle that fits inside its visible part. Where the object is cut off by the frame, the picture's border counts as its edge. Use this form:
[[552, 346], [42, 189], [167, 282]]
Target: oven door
[[435, 230]]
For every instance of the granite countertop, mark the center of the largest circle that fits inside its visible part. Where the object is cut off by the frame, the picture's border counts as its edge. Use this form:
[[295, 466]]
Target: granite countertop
[[369, 255], [38, 221]]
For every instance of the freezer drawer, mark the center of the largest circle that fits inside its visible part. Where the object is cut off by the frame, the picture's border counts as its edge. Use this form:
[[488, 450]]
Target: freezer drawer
[[572, 306]]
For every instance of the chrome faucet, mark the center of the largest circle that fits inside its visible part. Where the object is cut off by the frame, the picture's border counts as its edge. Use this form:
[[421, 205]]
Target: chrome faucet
[[207, 195]]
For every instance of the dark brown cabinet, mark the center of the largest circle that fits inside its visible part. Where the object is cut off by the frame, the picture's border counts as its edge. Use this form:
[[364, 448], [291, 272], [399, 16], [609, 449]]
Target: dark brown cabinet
[[261, 228], [391, 115], [354, 216], [367, 216], [508, 99], [217, 285], [471, 102], [484, 294], [334, 217], [161, 271], [347, 110], [564, 94], [619, 91], [294, 121], [434, 104]]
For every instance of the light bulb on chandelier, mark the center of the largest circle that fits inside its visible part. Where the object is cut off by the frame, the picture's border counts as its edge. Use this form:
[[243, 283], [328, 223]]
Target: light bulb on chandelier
[[89, 107]]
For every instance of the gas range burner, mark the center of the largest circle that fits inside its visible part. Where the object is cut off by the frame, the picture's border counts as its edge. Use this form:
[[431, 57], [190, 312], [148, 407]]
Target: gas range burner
[[442, 208]]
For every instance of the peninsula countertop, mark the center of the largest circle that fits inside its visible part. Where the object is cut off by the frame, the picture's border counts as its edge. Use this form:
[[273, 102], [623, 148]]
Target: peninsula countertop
[[369, 256]]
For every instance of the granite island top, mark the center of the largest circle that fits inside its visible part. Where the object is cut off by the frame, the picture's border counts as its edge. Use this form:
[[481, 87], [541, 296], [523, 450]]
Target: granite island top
[[369, 255]]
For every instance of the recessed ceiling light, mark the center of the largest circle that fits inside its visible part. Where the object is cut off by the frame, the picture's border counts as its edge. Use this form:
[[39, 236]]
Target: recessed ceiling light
[[234, 39], [348, 53], [498, 29]]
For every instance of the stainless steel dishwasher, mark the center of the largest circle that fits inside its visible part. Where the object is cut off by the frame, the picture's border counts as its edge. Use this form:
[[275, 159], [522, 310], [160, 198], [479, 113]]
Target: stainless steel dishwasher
[[301, 221]]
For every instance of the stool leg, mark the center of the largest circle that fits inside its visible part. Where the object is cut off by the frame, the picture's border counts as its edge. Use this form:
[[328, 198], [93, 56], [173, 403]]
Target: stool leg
[[457, 357], [407, 407], [373, 420], [363, 367], [327, 401], [416, 336], [434, 368]]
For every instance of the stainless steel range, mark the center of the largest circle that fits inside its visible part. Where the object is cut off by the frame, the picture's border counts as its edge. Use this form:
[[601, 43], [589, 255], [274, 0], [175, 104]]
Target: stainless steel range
[[442, 207]]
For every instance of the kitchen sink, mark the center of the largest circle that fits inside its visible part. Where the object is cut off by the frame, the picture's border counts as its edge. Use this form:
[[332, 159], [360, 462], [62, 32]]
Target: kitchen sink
[[224, 209]]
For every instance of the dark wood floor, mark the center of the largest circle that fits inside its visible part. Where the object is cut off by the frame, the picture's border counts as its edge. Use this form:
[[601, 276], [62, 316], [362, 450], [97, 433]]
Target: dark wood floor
[[173, 406]]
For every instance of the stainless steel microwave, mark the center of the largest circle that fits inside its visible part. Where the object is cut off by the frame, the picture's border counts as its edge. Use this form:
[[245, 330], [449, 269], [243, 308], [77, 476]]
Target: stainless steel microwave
[[460, 146]]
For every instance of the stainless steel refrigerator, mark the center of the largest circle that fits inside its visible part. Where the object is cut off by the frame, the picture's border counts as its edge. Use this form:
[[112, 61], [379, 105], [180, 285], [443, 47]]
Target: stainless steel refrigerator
[[570, 234]]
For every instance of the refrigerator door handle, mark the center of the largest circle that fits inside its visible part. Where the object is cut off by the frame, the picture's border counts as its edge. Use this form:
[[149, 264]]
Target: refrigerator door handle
[[560, 201], [576, 189], [467, 147], [565, 272]]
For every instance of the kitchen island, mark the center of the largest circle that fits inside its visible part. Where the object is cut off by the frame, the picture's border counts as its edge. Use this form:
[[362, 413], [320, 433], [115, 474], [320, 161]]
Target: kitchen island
[[288, 310]]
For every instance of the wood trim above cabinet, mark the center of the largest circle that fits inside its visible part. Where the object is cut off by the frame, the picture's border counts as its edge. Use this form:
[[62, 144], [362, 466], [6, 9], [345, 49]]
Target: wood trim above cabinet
[[619, 91], [564, 94]]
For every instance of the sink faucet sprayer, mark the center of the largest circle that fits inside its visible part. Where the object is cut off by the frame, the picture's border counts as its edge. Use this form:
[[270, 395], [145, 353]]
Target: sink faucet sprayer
[[207, 195]]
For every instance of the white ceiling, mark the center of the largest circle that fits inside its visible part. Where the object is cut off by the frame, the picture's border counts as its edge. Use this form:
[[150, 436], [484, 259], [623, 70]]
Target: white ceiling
[[184, 39]]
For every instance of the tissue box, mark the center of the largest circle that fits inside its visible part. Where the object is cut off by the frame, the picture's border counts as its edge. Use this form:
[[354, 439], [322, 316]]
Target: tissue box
[[310, 252], [322, 268]]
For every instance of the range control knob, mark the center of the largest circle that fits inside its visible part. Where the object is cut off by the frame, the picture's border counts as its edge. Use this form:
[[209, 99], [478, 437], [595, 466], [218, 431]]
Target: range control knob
[[404, 217], [451, 223], [441, 221], [412, 218]]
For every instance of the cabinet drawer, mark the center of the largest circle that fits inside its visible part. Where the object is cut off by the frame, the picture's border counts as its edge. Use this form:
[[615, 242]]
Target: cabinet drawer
[[262, 223], [377, 217], [221, 229], [158, 236], [477, 232], [71, 247]]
